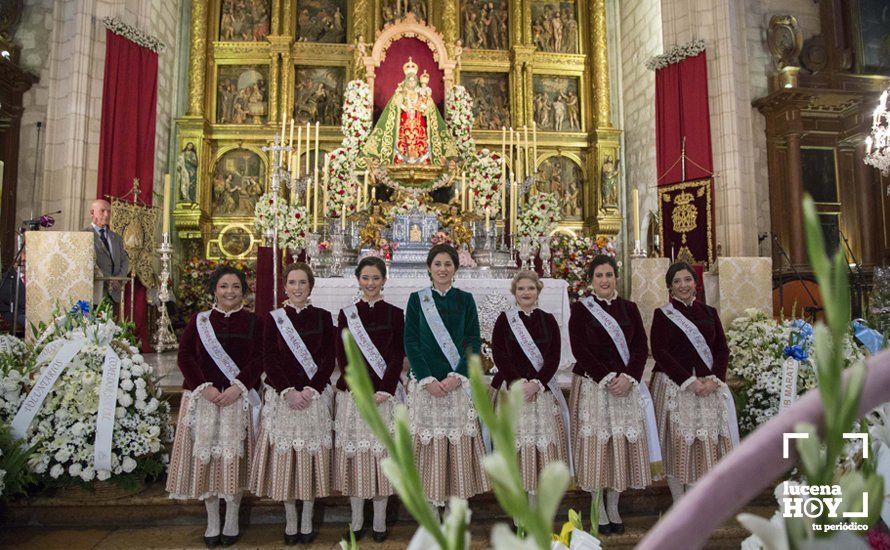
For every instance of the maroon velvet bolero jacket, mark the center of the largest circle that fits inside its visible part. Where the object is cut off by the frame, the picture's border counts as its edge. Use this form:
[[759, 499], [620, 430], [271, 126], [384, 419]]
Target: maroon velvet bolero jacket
[[510, 359], [239, 334], [385, 325], [673, 352], [593, 348], [316, 328]]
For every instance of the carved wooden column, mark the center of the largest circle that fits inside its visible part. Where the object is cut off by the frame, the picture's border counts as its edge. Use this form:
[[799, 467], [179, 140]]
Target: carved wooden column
[[599, 55], [197, 58], [868, 202], [795, 198]]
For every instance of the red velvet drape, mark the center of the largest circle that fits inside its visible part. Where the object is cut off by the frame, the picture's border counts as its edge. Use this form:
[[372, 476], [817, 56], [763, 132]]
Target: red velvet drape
[[681, 110], [127, 135], [390, 72], [263, 302]]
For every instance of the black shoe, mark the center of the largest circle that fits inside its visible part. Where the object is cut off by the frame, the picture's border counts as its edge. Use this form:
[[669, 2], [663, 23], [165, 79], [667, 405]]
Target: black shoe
[[291, 540], [228, 540], [379, 536], [617, 528], [606, 529], [357, 534], [306, 538], [211, 542]]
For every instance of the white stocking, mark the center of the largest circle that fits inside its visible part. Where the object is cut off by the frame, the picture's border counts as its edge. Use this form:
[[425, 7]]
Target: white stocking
[[688, 487], [604, 517], [380, 514], [676, 487], [233, 505], [358, 513], [306, 520], [612, 505], [290, 515], [212, 504]]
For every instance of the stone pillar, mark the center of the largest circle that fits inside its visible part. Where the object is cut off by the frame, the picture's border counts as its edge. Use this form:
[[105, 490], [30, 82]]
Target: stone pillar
[[198, 58], [798, 250]]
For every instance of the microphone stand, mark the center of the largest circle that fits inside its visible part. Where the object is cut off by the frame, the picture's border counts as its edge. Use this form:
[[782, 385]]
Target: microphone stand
[[17, 266], [812, 310], [857, 279]]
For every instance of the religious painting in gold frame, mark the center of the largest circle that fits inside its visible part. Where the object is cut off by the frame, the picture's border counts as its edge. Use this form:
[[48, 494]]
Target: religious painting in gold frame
[[393, 10], [555, 26], [322, 21], [238, 182], [318, 95], [564, 177], [491, 99], [484, 24], [244, 20], [557, 103], [242, 94]]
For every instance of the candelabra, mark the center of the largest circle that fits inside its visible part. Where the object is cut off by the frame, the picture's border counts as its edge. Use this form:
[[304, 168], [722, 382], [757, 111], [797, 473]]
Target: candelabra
[[545, 254], [877, 144], [639, 251], [337, 254], [164, 338], [312, 250], [525, 252], [279, 174]]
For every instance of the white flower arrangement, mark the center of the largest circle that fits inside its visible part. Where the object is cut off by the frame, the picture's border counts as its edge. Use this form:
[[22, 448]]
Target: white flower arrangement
[[485, 181], [14, 372], [63, 431], [293, 222], [757, 345], [540, 216], [459, 120], [342, 185], [357, 115]]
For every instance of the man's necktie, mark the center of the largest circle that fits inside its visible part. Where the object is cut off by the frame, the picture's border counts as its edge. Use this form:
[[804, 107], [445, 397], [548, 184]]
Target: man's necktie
[[104, 240]]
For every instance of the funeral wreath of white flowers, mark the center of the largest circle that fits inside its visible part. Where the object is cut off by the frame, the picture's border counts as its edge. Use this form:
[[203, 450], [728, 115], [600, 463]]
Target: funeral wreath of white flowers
[[63, 430], [758, 347]]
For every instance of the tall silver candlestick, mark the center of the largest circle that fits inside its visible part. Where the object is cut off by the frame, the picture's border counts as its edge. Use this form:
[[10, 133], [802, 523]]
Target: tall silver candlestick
[[164, 337], [279, 175]]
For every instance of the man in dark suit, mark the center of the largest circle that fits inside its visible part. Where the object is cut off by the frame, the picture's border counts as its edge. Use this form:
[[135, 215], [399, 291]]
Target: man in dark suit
[[111, 257]]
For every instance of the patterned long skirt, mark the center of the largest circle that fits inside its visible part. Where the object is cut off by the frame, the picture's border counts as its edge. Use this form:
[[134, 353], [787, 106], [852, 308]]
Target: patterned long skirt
[[293, 454], [693, 430], [448, 443], [608, 438], [540, 438], [357, 452], [212, 450]]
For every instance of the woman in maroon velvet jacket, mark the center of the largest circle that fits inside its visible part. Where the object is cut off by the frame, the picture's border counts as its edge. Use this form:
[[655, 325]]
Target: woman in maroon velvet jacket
[[378, 330], [212, 451], [293, 455], [609, 431], [695, 418], [541, 431]]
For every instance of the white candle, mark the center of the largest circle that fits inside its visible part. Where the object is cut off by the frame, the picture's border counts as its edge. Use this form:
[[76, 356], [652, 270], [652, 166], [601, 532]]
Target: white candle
[[166, 211], [299, 146], [534, 145], [636, 215], [291, 141], [283, 125], [487, 218], [316, 146], [308, 146], [525, 147]]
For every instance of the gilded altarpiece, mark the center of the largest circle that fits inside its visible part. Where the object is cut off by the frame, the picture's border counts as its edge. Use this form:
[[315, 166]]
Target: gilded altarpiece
[[253, 62]]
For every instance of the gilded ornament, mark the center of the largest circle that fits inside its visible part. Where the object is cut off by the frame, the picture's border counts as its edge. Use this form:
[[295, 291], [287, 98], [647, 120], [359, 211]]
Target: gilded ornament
[[197, 57]]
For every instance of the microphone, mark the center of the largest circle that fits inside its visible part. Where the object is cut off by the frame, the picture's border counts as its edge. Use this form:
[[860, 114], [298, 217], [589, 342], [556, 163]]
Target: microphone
[[45, 220]]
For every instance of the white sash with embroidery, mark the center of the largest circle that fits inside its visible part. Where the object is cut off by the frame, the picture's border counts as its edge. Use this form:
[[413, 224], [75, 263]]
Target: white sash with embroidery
[[369, 350], [363, 340], [697, 339], [294, 342], [225, 363], [528, 345], [437, 326], [610, 325]]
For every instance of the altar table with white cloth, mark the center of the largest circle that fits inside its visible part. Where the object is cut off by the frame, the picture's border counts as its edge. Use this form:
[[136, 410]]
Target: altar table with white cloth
[[333, 294]]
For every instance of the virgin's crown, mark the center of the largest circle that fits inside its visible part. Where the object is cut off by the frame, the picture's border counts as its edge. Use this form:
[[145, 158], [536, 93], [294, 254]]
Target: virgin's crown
[[410, 68]]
